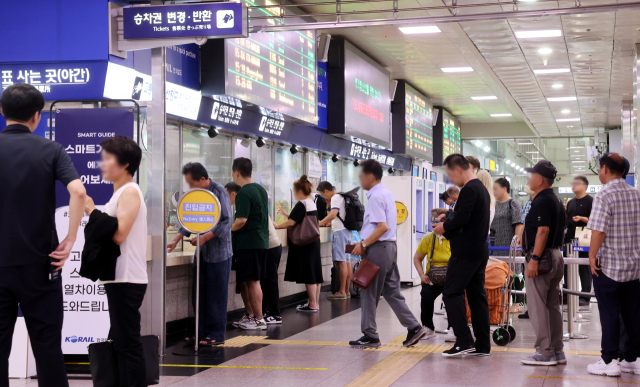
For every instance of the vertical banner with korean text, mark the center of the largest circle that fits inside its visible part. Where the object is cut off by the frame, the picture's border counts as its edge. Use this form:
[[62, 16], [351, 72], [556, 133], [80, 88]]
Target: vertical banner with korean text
[[80, 131]]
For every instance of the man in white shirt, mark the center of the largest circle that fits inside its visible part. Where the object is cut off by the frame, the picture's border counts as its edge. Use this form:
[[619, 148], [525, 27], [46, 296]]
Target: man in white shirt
[[341, 237]]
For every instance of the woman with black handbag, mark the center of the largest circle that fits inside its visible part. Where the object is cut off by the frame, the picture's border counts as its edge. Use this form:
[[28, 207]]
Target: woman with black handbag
[[437, 250], [304, 265]]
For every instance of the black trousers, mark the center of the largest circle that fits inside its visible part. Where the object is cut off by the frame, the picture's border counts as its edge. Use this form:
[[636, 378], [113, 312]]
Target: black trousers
[[41, 305], [428, 295], [125, 300], [214, 295], [615, 299], [269, 284], [467, 275]]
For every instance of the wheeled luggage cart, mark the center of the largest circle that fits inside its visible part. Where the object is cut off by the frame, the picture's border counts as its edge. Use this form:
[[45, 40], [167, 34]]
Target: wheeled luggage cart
[[505, 333]]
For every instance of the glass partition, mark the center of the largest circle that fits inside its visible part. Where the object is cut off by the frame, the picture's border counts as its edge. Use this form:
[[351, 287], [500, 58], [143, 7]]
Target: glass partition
[[350, 179], [332, 172], [213, 153], [288, 168]]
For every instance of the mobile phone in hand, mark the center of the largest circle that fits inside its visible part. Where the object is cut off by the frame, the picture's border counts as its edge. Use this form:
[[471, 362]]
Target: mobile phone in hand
[[53, 273]]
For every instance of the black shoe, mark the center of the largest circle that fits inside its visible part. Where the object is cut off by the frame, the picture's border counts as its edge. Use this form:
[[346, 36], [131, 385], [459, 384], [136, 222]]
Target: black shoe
[[524, 315], [414, 336], [365, 342], [457, 350], [479, 353], [271, 320]]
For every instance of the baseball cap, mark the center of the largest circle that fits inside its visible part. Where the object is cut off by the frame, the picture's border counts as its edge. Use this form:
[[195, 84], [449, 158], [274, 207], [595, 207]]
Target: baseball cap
[[543, 168]]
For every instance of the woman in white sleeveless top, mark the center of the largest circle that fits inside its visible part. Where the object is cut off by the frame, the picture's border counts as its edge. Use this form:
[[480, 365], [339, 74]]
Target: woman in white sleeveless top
[[120, 159]]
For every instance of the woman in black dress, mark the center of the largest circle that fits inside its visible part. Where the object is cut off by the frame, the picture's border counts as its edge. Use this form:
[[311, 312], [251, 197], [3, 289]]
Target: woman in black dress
[[304, 265]]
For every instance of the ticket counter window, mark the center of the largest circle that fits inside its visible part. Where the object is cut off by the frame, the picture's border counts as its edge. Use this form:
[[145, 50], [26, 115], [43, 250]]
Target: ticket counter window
[[333, 172], [351, 179], [262, 165], [214, 153], [173, 175], [288, 168]]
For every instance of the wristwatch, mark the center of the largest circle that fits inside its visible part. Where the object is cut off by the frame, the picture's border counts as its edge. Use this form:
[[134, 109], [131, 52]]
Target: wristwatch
[[535, 257], [364, 245]]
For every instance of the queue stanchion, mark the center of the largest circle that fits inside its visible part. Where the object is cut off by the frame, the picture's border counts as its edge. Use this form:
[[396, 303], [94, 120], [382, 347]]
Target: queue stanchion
[[198, 213], [572, 300], [578, 318]]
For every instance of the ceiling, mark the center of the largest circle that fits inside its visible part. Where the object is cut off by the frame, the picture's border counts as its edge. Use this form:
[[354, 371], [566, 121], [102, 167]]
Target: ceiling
[[596, 47]]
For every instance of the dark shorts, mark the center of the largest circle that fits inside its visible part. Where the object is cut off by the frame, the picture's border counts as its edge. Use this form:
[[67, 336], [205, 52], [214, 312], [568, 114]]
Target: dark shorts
[[250, 264]]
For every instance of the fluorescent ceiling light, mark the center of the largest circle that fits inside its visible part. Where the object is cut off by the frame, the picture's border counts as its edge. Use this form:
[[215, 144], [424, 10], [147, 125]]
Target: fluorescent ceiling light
[[576, 155], [561, 99], [577, 162], [456, 69], [566, 111], [484, 97], [533, 152], [420, 30], [575, 147], [538, 34], [507, 161], [537, 158], [557, 85], [478, 143], [567, 119], [545, 51], [575, 151], [501, 115], [525, 143], [551, 71], [487, 149]]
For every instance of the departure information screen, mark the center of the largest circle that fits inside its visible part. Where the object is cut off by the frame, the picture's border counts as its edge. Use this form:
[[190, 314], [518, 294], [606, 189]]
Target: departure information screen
[[366, 98], [451, 142], [275, 70], [418, 125]]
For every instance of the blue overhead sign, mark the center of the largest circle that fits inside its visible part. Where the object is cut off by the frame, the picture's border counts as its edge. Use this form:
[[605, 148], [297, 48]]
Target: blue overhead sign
[[226, 20], [73, 80]]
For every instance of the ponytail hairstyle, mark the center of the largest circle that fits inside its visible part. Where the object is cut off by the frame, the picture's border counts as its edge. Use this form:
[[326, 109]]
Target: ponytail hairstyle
[[303, 184]]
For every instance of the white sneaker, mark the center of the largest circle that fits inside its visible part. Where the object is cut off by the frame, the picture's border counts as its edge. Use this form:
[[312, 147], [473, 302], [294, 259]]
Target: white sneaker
[[245, 319], [630, 367], [430, 334], [254, 324], [602, 368], [451, 337]]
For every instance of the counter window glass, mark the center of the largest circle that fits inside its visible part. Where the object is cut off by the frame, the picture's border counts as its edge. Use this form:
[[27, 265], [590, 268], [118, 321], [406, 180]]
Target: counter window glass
[[314, 162], [332, 172], [213, 153], [350, 179], [262, 165], [173, 175], [288, 168]]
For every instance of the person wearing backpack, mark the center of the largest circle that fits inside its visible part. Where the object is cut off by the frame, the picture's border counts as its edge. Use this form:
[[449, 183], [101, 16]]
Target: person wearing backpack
[[342, 235]]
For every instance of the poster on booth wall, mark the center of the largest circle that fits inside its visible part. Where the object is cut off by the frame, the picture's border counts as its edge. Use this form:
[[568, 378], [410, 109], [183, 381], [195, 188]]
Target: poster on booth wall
[[80, 131]]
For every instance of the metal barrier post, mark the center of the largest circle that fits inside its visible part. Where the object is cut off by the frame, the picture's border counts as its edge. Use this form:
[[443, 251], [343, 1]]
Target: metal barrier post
[[573, 300]]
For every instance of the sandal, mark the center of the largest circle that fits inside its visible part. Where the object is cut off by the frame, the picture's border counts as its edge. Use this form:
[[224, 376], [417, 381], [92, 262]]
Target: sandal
[[191, 340], [210, 342]]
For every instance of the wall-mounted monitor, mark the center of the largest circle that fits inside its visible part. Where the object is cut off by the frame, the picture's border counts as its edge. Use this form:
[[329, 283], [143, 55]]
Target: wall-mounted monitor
[[412, 123], [275, 70], [446, 137], [359, 100]]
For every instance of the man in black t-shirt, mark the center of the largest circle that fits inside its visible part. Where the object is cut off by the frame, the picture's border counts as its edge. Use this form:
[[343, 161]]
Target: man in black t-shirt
[[466, 227], [578, 213], [544, 230]]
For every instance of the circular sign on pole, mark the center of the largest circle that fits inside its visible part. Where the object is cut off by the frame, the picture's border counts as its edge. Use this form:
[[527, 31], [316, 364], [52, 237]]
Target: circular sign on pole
[[403, 214], [199, 211]]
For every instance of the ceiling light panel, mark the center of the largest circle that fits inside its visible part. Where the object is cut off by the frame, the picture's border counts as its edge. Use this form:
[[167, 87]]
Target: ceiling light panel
[[456, 69], [538, 34], [552, 71], [420, 30]]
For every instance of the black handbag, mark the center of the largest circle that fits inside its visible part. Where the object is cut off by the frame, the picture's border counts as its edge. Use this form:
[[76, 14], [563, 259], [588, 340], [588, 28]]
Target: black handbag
[[103, 361]]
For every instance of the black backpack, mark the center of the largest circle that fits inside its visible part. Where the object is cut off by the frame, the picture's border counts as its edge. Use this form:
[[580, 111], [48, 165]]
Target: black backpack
[[354, 210]]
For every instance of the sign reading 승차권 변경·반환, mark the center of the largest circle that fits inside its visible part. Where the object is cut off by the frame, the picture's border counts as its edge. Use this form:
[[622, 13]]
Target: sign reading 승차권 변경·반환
[[199, 211], [224, 20]]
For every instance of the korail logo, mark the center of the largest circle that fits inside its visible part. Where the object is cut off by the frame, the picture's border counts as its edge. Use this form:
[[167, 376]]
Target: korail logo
[[225, 19], [79, 339]]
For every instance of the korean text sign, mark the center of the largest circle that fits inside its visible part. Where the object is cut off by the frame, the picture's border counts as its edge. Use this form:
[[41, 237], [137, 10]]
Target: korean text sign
[[199, 211], [179, 21], [80, 131]]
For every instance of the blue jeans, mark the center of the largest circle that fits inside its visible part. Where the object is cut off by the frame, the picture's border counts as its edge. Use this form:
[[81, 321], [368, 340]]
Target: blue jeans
[[214, 294]]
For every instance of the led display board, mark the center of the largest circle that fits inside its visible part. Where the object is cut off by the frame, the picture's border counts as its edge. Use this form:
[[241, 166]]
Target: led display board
[[275, 70], [359, 95], [447, 134], [412, 123], [224, 19]]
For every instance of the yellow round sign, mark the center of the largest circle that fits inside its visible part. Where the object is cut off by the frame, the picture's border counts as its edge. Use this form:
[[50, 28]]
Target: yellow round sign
[[198, 211], [403, 214]]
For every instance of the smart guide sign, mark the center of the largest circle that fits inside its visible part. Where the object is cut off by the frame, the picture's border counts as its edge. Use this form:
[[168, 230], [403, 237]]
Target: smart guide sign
[[178, 21]]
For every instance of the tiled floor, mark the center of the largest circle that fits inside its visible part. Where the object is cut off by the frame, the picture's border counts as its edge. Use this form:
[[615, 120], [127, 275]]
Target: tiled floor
[[332, 364]]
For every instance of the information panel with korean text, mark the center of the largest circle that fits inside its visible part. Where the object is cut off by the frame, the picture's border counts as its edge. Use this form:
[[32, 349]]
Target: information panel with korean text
[[418, 125], [451, 142]]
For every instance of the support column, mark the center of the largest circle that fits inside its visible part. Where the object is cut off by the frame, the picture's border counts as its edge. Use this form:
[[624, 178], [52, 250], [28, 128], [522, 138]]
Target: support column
[[153, 308], [634, 133]]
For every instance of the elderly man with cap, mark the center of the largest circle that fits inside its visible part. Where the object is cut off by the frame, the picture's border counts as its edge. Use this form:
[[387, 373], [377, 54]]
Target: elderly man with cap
[[543, 238]]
